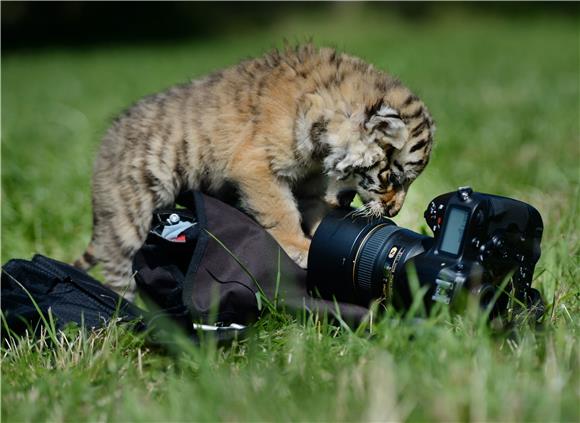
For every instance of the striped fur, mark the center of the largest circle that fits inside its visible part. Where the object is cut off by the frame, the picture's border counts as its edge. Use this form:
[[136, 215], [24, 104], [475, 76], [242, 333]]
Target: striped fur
[[291, 130]]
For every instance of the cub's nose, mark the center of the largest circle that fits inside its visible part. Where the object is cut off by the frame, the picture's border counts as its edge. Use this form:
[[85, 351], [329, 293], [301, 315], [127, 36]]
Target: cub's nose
[[344, 198]]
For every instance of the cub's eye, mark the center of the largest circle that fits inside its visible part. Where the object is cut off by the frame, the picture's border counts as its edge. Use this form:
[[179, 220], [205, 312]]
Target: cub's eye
[[394, 180]]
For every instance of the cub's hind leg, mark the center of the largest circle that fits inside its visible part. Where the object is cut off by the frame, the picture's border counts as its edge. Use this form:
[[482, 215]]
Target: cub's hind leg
[[270, 200], [114, 247], [122, 216]]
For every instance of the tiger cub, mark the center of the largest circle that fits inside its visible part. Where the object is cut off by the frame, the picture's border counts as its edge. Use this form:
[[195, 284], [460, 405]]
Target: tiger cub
[[296, 132]]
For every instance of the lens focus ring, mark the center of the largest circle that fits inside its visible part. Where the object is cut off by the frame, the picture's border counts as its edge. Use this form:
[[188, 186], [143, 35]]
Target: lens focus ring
[[368, 255]]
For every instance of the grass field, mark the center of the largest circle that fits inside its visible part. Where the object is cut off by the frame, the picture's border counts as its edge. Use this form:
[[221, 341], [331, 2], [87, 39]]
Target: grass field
[[505, 95]]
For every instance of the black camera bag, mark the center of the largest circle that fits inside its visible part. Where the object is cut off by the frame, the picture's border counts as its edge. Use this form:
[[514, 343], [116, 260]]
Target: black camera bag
[[31, 288], [226, 270], [45, 292]]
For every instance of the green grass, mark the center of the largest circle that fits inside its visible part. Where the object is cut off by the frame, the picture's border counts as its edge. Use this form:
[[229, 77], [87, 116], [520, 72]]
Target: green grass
[[505, 95]]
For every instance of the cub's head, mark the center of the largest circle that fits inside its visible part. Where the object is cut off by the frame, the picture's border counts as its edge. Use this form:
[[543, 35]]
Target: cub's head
[[377, 152]]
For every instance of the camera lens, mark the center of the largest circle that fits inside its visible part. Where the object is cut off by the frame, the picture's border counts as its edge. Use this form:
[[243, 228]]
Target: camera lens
[[357, 259]]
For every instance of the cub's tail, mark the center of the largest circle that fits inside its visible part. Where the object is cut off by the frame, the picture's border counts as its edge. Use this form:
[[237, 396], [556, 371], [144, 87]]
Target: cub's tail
[[87, 260]]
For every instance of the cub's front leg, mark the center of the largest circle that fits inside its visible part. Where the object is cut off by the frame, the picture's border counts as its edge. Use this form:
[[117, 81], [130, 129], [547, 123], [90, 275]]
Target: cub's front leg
[[309, 193], [312, 211], [270, 200]]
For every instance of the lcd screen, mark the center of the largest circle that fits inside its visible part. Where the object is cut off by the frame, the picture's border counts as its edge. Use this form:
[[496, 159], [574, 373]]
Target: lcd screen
[[454, 230]]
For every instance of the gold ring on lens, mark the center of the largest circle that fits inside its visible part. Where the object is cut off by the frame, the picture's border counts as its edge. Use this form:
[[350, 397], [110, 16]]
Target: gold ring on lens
[[360, 247]]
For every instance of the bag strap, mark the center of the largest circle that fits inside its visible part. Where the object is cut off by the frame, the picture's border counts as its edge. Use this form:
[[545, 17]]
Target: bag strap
[[193, 200]]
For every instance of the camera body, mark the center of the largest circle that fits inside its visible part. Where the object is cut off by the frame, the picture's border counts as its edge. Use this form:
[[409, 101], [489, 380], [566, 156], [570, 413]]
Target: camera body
[[479, 241]]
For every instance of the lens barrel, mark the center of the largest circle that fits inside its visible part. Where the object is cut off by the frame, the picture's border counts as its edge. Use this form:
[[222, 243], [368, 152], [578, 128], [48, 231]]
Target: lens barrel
[[369, 259], [353, 258]]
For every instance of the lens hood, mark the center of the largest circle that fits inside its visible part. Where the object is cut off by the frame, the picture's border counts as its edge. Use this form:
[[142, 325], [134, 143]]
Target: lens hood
[[333, 259]]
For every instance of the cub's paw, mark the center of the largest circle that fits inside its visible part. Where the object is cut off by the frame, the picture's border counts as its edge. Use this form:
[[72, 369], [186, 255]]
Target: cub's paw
[[295, 246], [299, 255], [300, 258]]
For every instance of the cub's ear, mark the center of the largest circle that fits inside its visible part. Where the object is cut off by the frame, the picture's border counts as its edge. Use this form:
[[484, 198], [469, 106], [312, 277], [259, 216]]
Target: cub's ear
[[387, 125]]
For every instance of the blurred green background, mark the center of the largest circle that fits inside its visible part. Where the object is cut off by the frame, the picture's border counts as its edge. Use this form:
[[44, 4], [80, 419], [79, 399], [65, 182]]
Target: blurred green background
[[502, 82]]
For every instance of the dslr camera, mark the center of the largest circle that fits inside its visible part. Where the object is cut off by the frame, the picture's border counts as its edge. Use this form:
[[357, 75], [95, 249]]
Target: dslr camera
[[485, 248]]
